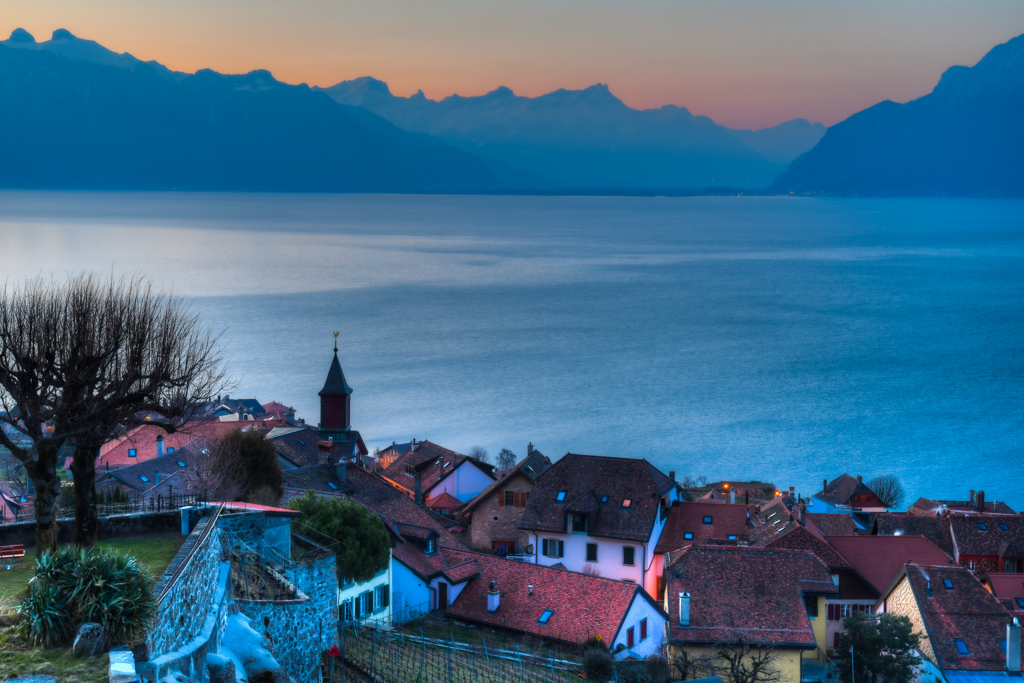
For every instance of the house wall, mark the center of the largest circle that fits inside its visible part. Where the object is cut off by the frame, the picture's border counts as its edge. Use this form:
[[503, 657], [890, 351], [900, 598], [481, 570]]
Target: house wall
[[454, 589], [982, 564], [901, 601], [639, 610], [819, 626], [835, 626], [493, 522], [351, 590], [820, 506], [787, 661], [410, 595], [465, 482], [609, 556]]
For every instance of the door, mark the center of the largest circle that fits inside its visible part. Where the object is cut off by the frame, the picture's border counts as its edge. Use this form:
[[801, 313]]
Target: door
[[508, 546], [442, 595]]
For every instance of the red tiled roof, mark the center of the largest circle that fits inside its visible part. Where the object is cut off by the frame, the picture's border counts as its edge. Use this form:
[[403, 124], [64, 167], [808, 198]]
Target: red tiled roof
[[967, 612], [688, 518], [275, 407], [833, 524], [581, 605], [841, 490], [1008, 589], [992, 540], [530, 467], [929, 505], [432, 462], [143, 439], [583, 476], [879, 559], [445, 501], [935, 529], [749, 594]]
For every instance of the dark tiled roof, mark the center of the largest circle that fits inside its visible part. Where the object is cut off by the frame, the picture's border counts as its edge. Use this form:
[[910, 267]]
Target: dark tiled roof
[[833, 525], [432, 462], [935, 529], [321, 479], [582, 476], [531, 467], [749, 594], [779, 527], [841, 489], [928, 504], [301, 447], [1008, 589], [688, 518], [993, 540], [879, 559], [143, 439], [581, 605], [165, 465], [417, 533], [968, 612], [335, 384]]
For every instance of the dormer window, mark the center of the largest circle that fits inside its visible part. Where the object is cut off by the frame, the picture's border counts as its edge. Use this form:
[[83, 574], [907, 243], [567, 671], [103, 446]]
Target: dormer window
[[431, 545], [409, 469], [560, 497], [545, 616], [948, 584], [626, 502], [578, 522]]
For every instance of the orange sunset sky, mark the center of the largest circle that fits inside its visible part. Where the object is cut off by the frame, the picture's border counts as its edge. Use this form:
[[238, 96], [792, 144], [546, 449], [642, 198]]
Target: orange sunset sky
[[744, 63]]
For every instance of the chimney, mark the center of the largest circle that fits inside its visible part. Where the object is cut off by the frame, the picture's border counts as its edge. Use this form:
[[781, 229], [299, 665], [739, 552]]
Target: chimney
[[746, 497], [341, 469], [493, 598], [684, 610], [732, 497], [1013, 646], [529, 448], [972, 496], [824, 485], [860, 479], [672, 475], [792, 492], [928, 588], [981, 501], [159, 445], [803, 515], [418, 478]]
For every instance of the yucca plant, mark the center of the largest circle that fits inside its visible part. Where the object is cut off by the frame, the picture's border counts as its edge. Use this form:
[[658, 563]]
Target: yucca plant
[[48, 620]]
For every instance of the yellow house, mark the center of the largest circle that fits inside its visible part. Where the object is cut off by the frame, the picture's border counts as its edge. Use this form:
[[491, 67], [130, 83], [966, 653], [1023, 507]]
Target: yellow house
[[765, 607]]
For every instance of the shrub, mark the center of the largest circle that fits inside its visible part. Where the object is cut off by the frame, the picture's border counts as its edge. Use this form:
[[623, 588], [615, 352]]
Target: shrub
[[363, 545], [597, 662], [73, 586]]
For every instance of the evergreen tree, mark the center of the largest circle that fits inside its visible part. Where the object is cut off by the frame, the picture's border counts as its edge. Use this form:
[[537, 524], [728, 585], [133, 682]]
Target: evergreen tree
[[249, 460], [883, 649], [363, 546]]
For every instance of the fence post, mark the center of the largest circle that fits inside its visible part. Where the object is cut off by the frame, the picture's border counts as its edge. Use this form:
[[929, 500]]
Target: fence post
[[551, 664], [423, 655], [485, 653], [373, 644], [449, 651]]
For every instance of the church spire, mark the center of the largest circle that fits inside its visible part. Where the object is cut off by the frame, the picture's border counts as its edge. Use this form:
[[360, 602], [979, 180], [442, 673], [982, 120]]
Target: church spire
[[335, 397], [336, 384]]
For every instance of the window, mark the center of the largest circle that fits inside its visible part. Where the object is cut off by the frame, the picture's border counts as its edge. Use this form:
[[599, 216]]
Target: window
[[591, 552], [643, 630], [948, 584], [626, 503], [509, 498], [628, 555], [170, 450], [1020, 603], [301, 442], [545, 616], [383, 596], [332, 485], [578, 522], [560, 497], [367, 600], [1003, 527], [431, 545], [552, 547], [732, 537], [970, 565], [144, 478], [629, 637], [346, 610], [604, 500], [132, 453], [961, 646], [181, 464], [688, 536], [811, 603], [981, 525], [409, 469], [708, 519]]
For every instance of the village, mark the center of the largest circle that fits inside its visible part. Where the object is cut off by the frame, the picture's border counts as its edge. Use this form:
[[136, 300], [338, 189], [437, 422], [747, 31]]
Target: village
[[531, 568]]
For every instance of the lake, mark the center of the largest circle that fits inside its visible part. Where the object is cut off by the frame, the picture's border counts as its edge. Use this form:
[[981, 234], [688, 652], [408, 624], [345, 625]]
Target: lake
[[785, 339]]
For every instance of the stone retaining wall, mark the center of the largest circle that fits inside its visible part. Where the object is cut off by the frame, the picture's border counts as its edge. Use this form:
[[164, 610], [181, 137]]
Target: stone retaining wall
[[112, 526]]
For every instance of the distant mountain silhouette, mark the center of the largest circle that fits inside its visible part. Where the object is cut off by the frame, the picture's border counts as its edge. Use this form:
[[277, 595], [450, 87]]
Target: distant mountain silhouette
[[591, 139], [76, 115], [964, 138]]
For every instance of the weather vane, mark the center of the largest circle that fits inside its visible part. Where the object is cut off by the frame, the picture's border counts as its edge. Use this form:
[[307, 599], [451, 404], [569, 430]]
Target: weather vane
[[335, 342]]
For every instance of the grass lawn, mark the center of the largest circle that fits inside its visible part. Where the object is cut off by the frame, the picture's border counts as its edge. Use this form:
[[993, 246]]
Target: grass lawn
[[59, 663], [153, 551]]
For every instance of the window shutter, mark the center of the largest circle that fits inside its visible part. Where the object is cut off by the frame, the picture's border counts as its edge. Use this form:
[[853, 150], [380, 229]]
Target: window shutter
[[561, 548], [544, 547], [519, 499], [385, 595], [357, 605], [643, 629], [501, 499]]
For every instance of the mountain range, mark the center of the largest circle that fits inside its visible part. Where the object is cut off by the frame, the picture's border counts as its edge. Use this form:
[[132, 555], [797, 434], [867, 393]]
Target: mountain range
[[966, 137], [590, 139], [74, 114]]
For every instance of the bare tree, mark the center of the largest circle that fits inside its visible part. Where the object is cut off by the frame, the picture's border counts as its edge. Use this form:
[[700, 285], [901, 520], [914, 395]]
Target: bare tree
[[889, 489], [691, 665], [82, 360], [506, 459], [742, 662], [479, 453], [211, 474]]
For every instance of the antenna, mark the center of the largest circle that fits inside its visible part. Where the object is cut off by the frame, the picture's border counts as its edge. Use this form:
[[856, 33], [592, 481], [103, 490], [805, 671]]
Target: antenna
[[335, 342]]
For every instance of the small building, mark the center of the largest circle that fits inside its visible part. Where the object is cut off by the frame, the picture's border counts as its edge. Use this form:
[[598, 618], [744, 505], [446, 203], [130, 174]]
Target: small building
[[966, 635], [600, 515], [493, 516], [425, 470], [559, 605], [935, 507], [336, 413], [445, 504], [844, 495], [988, 542], [771, 601]]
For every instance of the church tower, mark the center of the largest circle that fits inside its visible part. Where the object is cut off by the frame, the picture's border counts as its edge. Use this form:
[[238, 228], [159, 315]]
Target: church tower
[[335, 398]]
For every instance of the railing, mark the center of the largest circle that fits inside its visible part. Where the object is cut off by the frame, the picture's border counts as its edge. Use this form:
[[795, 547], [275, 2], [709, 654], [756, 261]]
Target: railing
[[159, 503]]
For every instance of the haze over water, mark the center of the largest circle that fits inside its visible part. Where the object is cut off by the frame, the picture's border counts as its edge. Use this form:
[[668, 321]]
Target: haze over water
[[775, 338]]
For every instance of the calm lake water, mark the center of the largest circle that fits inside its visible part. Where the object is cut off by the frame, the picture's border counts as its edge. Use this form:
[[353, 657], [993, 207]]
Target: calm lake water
[[774, 338]]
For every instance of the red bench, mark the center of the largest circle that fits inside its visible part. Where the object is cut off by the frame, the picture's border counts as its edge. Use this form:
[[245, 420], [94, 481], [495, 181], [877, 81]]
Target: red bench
[[8, 553]]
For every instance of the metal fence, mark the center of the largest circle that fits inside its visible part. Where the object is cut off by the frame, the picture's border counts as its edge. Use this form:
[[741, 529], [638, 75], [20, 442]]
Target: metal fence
[[157, 503]]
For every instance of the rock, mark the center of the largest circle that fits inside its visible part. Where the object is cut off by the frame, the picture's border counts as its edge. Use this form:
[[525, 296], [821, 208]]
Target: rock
[[90, 640], [221, 669], [270, 676]]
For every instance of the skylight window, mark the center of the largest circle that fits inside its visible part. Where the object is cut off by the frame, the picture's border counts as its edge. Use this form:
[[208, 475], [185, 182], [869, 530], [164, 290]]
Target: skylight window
[[332, 485], [981, 526], [1020, 602], [688, 536], [301, 442], [170, 450], [132, 452], [1002, 526], [181, 463], [626, 503], [604, 500], [560, 497], [544, 617], [708, 519], [144, 478], [732, 537], [961, 646], [948, 584]]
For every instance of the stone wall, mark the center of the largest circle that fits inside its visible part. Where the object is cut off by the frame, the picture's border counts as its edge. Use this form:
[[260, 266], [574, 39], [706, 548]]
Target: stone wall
[[494, 522], [113, 526], [901, 601]]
